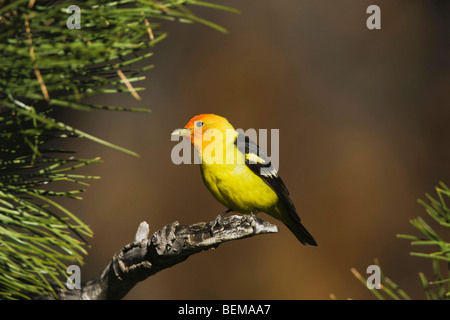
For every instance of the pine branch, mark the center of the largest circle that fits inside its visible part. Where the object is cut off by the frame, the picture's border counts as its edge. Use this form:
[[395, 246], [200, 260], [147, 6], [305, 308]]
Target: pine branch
[[439, 287], [168, 246], [46, 66]]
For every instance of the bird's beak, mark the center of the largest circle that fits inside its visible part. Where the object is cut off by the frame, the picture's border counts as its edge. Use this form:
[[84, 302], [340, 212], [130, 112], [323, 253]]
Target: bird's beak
[[181, 132]]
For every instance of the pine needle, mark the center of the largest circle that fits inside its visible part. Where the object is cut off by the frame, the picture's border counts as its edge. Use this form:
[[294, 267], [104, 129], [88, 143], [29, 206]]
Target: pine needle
[[44, 67]]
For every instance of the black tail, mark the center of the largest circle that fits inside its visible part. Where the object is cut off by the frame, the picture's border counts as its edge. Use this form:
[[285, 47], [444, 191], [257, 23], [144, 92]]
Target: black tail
[[302, 234]]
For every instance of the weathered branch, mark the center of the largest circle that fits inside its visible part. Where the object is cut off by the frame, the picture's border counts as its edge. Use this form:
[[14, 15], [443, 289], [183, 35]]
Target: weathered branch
[[168, 246]]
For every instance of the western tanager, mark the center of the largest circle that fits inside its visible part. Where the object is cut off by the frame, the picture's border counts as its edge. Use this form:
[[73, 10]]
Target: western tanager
[[238, 173]]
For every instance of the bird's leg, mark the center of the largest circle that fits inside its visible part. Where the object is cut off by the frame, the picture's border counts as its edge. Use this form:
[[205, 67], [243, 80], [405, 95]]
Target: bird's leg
[[252, 216], [218, 219]]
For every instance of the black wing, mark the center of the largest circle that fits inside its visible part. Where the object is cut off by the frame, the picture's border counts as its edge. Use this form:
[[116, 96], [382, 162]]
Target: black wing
[[260, 164], [257, 161]]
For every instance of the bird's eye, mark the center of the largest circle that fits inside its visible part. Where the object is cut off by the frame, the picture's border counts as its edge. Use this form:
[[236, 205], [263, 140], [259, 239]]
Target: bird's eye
[[199, 124]]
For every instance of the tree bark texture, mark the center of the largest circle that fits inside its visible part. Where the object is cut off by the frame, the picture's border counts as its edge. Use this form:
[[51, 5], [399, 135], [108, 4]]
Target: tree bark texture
[[168, 246]]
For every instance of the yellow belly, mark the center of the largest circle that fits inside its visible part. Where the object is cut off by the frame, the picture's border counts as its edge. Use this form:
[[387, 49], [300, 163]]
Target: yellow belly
[[238, 188]]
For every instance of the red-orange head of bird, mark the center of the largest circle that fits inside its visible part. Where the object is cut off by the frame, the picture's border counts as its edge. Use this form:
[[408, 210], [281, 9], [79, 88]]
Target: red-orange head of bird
[[204, 128]]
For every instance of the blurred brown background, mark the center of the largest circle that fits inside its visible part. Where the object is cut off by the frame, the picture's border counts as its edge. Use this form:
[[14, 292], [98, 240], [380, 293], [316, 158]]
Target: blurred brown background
[[364, 131]]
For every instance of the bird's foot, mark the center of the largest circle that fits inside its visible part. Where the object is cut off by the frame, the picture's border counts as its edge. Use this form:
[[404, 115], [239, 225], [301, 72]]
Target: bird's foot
[[251, 218], [218, 220]]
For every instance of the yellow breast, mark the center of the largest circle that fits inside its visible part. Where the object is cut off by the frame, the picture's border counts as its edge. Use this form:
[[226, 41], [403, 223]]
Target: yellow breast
[[238, 188]]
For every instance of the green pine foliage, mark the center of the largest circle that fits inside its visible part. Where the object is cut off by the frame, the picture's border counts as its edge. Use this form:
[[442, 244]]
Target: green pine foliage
[[435, 242], [45, 66]]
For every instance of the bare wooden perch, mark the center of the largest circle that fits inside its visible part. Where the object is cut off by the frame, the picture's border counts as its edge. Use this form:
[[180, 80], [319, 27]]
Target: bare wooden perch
[[168, 246]]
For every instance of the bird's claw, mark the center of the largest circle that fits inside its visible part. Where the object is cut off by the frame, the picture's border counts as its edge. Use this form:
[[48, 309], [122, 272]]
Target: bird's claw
[[218, 220]]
